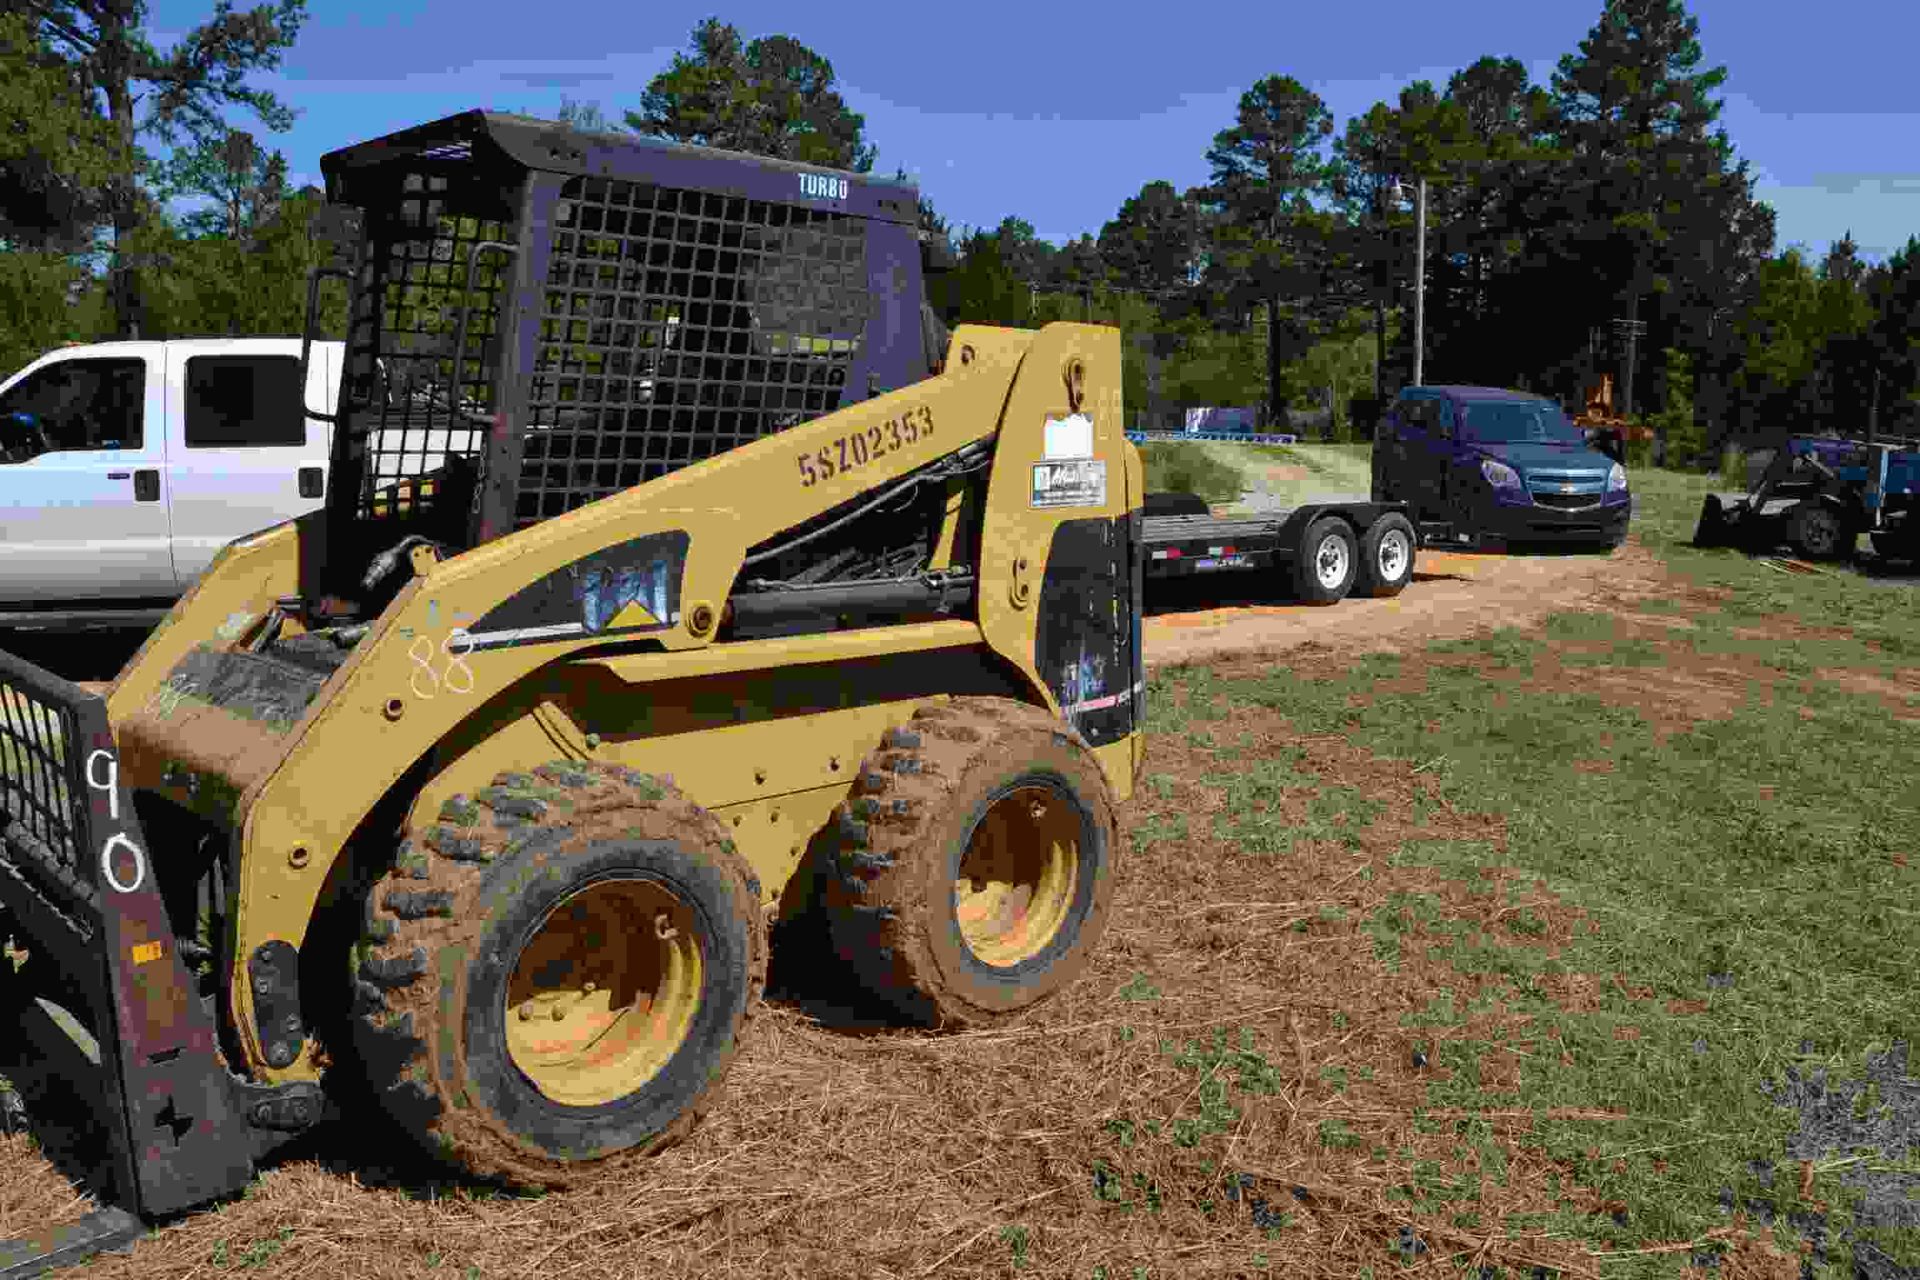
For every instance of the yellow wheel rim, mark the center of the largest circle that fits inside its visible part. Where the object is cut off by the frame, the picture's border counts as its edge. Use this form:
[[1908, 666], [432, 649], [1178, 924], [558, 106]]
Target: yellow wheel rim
[[1018, 876], [604, 993]]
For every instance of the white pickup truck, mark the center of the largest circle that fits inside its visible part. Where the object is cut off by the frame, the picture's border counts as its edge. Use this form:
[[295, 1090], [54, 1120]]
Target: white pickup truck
[[126, 466]]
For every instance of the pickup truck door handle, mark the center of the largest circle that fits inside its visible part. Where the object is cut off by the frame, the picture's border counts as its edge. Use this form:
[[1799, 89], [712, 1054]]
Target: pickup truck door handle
[[312, 482], [146, 486]]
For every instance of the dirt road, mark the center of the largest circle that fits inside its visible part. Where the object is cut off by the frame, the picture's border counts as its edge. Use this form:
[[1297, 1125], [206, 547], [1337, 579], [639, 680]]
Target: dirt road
[[1453, 594]]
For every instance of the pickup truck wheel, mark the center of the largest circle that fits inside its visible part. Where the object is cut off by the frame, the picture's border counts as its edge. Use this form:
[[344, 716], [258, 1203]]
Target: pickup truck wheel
[[1328, 561], [1386, 556]]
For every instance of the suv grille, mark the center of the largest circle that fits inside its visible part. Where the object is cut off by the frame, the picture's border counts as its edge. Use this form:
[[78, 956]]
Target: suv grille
[[1565, 501], [1567, 490]]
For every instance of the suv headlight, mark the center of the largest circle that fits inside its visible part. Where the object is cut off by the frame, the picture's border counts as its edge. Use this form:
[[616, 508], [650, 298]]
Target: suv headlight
[[1499, 474], [1617, 479]]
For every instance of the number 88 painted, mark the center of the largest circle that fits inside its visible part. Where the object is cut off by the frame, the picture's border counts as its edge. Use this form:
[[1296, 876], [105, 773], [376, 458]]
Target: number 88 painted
[[456, 664]]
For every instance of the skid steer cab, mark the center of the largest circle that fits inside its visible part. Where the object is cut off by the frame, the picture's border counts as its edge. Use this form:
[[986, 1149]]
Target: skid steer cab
[[681, 577]]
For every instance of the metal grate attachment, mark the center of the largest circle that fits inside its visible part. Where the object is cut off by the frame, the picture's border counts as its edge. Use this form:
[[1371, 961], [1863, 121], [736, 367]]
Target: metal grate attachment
[[42, 801], [410, 408], [676, 325]]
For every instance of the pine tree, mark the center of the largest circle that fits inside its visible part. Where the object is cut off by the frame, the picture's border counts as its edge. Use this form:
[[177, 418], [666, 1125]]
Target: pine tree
[[1651, 189]]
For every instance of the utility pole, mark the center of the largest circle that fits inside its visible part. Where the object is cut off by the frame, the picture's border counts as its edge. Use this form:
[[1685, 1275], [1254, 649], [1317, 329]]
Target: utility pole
[[1420, 284], [1630, 329], [1419, 276]]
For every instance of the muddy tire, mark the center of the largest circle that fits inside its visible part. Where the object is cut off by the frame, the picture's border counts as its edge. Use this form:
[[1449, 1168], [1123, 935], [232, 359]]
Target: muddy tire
[[556, 975], [974, 863], [1386, 556]]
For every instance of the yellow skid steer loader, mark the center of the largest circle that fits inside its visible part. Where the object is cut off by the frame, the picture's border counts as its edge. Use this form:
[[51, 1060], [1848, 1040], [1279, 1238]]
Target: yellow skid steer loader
[[674, 556]]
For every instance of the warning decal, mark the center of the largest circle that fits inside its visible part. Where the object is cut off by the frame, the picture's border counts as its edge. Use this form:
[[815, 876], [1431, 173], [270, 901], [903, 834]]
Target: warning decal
[[1076, 483]]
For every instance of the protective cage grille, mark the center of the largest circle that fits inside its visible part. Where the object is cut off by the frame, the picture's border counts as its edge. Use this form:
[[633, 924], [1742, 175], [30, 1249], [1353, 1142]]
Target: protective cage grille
[[410, 408], [679, 324], [43, 819]]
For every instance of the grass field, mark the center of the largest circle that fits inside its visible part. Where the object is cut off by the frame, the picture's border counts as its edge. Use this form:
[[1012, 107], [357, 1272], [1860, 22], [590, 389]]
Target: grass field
[[1580, 950], [1723, 790], [1238, 477]]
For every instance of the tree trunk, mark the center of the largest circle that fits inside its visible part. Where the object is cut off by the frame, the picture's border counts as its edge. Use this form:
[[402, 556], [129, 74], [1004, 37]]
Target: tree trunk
[[1273, 362], [1873, 408], [1379, 347], [116, 60]]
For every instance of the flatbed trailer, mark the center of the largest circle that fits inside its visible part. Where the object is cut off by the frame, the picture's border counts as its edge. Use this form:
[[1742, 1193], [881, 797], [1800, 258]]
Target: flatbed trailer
[[1326, 550]]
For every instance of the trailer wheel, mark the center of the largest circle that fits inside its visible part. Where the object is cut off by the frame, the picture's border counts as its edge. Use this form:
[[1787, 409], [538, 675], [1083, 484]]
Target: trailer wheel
[[557, 976], [1819, 531], [1327, 563], [1386, 556], [973, 863]]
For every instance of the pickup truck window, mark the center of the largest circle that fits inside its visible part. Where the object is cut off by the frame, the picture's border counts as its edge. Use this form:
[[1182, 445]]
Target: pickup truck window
[[72, 405], [240, 401]]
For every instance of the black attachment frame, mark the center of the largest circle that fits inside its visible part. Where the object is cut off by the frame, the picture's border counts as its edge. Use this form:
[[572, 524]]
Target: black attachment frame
[[77, 886]]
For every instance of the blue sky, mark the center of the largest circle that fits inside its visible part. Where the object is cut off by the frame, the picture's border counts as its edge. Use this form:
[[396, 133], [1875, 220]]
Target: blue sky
[[1059, 111]]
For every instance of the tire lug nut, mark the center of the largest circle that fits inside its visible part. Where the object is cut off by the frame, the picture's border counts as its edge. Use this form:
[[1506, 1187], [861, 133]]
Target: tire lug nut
[[559, 1014], [591, 988], [526, 1012]]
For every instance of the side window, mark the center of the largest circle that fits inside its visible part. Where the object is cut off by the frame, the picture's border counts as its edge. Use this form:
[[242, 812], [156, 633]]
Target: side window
[[242, 401], [1442, 416], [75, 405]]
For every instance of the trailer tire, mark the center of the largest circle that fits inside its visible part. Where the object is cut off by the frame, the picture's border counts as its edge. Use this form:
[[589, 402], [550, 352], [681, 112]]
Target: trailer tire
[[1007, 794], [491, 950], [1327, 562], [1386, 556], [1820, 531]]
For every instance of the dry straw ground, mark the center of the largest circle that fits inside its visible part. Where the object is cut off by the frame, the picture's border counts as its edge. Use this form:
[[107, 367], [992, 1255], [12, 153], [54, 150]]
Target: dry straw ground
[[1231, 1090]]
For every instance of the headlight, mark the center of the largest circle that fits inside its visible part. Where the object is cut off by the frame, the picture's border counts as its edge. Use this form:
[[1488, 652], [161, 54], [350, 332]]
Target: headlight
[[1617, 479], [1499, 474]]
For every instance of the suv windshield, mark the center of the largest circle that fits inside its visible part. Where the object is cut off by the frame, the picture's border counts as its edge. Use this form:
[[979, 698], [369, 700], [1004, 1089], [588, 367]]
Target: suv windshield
[[1517, 421]]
